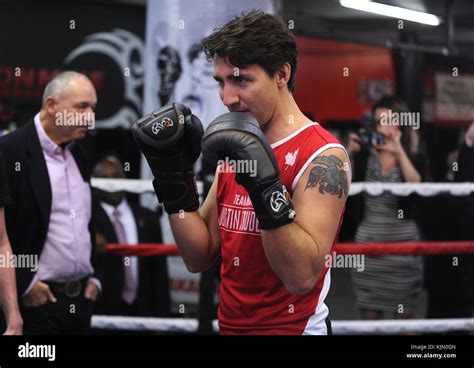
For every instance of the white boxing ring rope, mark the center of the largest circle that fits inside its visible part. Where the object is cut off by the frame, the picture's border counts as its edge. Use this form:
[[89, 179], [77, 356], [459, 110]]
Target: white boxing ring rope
[[341, 327], [185, 325], [139, 186]]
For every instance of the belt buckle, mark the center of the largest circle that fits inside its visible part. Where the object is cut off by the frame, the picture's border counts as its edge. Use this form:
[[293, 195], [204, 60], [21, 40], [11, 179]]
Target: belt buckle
[[72, 289]]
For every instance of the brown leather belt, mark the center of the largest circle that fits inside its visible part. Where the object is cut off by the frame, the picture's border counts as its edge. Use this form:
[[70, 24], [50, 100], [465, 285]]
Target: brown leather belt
[[71, 289]]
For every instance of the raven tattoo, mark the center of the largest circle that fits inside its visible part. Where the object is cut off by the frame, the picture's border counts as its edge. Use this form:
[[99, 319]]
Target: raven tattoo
[[329, 173]]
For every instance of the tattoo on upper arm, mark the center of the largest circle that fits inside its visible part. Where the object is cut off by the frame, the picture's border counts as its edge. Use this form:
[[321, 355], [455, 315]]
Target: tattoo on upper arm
[[330, 174]]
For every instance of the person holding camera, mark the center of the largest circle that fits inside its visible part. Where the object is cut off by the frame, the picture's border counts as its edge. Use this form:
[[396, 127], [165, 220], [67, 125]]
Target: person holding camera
[[387, 153]]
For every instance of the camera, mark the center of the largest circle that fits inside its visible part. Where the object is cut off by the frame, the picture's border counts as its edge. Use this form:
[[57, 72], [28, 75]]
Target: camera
[[371, 138]]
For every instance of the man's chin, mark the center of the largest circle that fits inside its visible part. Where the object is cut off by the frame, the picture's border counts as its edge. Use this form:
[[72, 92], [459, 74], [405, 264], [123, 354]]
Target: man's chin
[[80, 134]]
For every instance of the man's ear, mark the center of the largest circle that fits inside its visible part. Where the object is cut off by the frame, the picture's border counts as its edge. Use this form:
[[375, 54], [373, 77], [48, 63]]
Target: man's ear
[[50, 105], [283, 75]]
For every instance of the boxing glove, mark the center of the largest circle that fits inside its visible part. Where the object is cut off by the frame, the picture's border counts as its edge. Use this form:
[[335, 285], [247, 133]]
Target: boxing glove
[[170, 139], [238, 136]]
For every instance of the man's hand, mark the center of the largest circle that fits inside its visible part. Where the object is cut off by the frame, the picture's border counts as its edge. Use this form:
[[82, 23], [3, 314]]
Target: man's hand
[[14, 325], [39, 295], [92, 291]]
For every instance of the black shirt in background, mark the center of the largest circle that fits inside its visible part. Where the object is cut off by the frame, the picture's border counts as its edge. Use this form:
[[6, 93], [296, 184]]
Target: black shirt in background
[[4, 195]]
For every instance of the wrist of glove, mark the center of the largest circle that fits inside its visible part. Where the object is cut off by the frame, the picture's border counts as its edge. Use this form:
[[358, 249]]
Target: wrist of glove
[[177, 191], [273, 206]]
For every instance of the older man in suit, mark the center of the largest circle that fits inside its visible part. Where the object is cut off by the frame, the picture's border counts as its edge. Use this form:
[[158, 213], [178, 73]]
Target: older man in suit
[[50, 216], [131, 285]]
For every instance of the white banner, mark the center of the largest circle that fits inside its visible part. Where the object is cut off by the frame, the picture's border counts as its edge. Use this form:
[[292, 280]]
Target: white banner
[[176, 71], [454, 97]]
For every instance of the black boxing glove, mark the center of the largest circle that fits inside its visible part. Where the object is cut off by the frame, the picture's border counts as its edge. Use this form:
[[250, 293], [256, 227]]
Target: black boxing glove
[[170, 139], [238, 136]]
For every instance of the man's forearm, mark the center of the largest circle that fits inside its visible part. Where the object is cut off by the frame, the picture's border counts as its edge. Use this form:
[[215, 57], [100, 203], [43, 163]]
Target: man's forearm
[[8, 294], [294, 255], [194, 240]]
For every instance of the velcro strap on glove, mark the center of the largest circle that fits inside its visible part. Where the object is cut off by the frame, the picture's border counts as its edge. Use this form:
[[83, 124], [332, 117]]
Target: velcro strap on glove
[[273, 206], [177, 191]]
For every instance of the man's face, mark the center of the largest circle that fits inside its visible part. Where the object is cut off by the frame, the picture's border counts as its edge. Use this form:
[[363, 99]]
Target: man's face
[[110, 170], [74, 109], [247, 89]]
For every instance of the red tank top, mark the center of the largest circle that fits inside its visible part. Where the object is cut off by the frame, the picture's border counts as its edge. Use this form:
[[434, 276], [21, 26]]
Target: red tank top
[[253, 300]]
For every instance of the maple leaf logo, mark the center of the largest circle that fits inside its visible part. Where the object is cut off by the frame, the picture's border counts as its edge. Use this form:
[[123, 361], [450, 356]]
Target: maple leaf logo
[[290, 158]]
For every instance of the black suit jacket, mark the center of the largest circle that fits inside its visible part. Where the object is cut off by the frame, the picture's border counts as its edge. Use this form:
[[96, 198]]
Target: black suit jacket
[[27, 216], [466, 164], [466, 173], [153, 297]]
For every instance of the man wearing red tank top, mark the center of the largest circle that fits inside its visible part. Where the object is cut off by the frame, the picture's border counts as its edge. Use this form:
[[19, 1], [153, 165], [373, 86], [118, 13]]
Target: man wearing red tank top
[[277, 201]]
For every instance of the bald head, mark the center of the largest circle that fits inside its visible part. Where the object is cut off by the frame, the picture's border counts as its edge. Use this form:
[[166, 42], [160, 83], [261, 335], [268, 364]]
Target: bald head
[[59, 85], [109, 167]]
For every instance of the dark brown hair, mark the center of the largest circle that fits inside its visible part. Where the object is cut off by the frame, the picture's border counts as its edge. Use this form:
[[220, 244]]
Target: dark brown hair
[[396, 104], [255, 38]]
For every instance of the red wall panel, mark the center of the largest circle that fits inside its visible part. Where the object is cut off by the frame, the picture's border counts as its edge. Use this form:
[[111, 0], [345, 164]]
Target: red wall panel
[[321, 87]]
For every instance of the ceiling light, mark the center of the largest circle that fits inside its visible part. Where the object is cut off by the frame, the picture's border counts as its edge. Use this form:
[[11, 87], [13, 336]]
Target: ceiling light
[[392, 11]]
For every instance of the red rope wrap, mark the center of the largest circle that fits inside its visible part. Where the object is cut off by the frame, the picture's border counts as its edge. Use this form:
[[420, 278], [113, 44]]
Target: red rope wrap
[[442, 247]]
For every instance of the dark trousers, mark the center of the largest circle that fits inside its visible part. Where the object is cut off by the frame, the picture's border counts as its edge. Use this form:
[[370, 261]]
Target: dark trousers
[[129, 309], [68, 316], [207, 311]]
